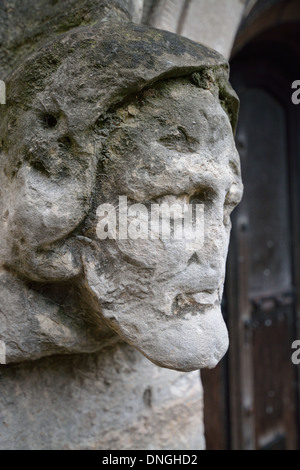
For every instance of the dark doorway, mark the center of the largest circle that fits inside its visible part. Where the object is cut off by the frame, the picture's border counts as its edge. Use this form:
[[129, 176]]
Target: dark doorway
[[256, 388]]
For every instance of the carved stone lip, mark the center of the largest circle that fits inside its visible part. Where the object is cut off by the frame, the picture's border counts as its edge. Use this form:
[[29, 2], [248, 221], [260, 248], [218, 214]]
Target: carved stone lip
[[207, 298], [203, 299]]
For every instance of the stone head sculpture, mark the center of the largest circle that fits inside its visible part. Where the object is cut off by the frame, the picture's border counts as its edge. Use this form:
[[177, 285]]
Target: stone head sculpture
[[131, 112]]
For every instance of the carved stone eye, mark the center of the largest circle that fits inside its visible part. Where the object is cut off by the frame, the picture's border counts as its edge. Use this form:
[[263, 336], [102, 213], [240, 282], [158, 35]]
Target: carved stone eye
[[201, 197], [197, 199], [37, 165]]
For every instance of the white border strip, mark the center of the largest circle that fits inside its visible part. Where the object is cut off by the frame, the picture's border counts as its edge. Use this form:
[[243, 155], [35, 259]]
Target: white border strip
[[2, 353], [2, 92]]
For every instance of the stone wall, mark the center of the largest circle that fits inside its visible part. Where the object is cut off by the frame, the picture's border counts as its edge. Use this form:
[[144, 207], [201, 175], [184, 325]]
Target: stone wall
[[211, 22], [116, 400]]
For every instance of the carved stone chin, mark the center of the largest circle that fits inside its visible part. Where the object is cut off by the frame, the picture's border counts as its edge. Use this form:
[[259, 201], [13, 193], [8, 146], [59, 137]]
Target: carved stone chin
[[95, 120]]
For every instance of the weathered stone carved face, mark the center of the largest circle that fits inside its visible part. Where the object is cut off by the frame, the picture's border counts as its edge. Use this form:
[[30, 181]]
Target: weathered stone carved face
[[159, 295], [171, 143]]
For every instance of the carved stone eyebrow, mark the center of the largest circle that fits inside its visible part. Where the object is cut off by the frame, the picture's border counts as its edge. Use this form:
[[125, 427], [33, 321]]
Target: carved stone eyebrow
[[179, 136]]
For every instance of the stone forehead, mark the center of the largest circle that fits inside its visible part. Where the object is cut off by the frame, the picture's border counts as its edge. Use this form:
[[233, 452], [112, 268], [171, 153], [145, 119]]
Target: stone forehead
[[100, 67]]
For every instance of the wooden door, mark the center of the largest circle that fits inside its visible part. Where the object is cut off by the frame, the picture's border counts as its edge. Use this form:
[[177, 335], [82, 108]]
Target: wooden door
[[255, 388], [262, 282]]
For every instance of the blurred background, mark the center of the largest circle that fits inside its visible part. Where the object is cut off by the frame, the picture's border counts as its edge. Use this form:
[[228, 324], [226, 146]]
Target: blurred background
[[251, 400]]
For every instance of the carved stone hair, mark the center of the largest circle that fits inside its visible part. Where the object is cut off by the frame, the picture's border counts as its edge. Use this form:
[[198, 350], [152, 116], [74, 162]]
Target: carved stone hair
[[104, 66]]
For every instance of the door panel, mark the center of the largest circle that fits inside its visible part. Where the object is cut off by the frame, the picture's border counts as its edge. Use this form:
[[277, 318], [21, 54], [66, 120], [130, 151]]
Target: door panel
[[265, 387], [261, 138], [257, 386]]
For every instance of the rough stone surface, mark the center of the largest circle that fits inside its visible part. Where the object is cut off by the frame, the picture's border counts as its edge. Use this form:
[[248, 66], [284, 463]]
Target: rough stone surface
[[27, 24], [126, 124], [114, 400]]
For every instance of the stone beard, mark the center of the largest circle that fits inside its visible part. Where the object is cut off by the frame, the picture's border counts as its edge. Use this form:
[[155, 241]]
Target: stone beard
[[146, 115]]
